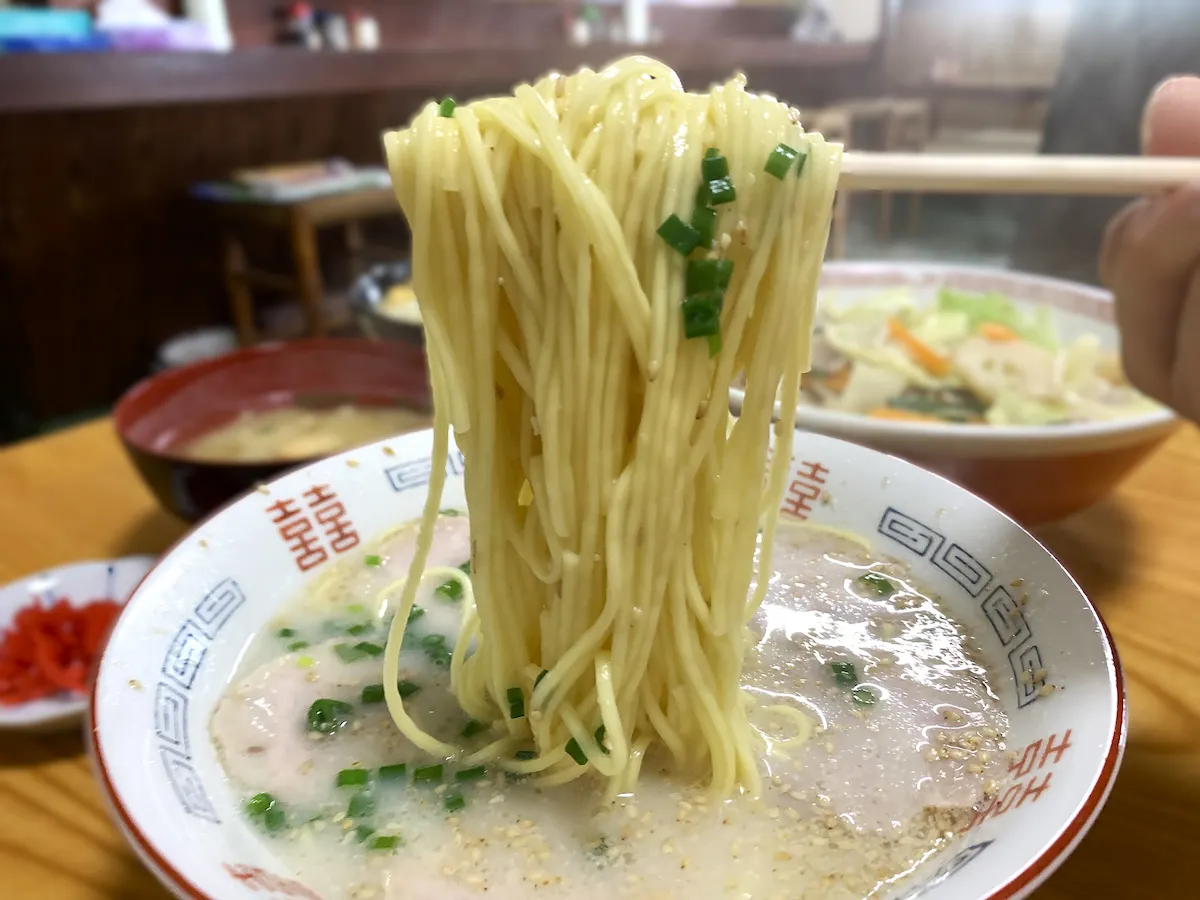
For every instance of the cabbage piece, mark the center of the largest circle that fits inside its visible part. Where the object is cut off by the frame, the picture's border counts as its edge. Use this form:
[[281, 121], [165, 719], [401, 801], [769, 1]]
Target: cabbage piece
[[869, 387], [1037, 328], [1012, 408]]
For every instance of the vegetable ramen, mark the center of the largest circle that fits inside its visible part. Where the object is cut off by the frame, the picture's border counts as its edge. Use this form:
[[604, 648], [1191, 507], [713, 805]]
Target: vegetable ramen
[[967, 358]]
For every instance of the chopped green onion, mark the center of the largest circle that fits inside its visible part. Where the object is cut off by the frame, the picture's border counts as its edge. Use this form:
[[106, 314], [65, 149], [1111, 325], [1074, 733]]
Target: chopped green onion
[[361, 806], [297, 645], [393, 772], [449, 512], [286, 632], [472, 774], [714, 345], [446, 108], [326, 716], [362, 832], [880, 584], [372, 693], [415, 613], [454, 801], [541, 675], [864, 696], [703, 197], [473, 728], [348, 653], [433, 641], [368, 648], [465, 568], [386, 842], [576, 752], [780, 161], [305, 662], [428, 774], [275, 818], [722, 191], [451, 590], [600, 739], [714, 165], [441, 657], [259, 804], [707, 275], [407, 689], [356, 630], [845, 673], [526, 755], [373, 560], [352, 777], [800, 164], [356, 609], [516, 703], [704, 220], [702, 314], [679, 235]]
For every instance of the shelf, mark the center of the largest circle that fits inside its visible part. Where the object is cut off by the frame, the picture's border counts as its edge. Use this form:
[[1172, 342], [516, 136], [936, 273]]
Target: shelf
[[60, 82]]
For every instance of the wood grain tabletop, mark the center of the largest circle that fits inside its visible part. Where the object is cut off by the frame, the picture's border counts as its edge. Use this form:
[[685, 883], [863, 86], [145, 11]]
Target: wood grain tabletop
[[73, 496]]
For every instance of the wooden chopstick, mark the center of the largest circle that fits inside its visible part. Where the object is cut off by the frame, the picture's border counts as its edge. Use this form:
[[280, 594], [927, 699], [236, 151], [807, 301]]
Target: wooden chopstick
[[969, 173]]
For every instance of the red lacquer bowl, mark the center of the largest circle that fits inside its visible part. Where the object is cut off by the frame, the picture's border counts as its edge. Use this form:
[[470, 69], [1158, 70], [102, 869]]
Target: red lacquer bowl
[[161, 414]]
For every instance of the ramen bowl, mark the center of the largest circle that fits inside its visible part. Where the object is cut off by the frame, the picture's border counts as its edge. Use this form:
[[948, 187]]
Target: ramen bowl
[[160, 416], [1036, 474], [179, 640]]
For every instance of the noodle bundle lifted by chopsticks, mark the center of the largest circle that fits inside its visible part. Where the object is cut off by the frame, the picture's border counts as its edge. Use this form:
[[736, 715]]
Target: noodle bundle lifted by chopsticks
[[596, 258]]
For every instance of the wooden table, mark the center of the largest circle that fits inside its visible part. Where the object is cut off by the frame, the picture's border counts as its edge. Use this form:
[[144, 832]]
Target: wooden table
[[73, 495]]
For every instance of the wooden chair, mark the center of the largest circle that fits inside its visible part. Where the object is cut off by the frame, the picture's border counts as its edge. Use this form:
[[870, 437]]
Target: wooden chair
[[907, 130], [300, 220], [836, 124]]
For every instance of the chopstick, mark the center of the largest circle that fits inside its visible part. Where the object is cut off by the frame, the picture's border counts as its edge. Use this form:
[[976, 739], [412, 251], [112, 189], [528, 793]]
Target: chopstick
[[969, 173]]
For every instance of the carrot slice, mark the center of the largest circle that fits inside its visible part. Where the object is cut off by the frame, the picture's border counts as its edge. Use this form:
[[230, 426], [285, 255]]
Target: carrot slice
[[994, 331], [836, 380], [925, 356], [901, 415]]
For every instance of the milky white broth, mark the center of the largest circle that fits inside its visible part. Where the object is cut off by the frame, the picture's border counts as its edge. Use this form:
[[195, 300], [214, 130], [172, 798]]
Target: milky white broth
[[875, 789]]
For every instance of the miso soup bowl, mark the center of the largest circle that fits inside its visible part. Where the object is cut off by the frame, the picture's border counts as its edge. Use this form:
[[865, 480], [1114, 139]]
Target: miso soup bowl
[[178, 642], [1036, 474]]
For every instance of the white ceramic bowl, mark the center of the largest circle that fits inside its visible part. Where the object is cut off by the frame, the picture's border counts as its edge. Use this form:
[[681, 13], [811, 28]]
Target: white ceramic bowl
[[1036, 474], [80, 583], [180, 638]]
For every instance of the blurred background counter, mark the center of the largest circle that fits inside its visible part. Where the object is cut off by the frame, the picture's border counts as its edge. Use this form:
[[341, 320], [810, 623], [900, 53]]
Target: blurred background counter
[[104, 253]]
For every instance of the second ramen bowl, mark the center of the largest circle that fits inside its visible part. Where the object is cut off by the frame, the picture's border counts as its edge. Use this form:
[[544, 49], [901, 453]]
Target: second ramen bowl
[[1036, 474], [184, 631]]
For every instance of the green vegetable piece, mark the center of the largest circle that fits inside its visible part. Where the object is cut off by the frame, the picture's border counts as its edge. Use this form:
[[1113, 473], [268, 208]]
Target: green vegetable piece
[[880, 584], [526, 755], [454, 801], [415, 613], [407, 689], [679, 235], [373, 560], [372, 693], [844, 673], [259, 804], [326, 716], [721, 191], [600, 740], [446, 108], [286, 632], [352, 777], [702, 314], [297, 645], [516, 703], [708, 275], [451, 590], [780, 161], [361, 806], [714, 167], [368, 649], [472, 774], [361, 628], [393, 772], [576, 752], [428, 774], [385, 842], [362, 832], [704, 220], [348, 653], [473, 728]]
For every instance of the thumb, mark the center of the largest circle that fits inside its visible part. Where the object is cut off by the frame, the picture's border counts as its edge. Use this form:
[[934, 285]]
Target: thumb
[[1171, 121]]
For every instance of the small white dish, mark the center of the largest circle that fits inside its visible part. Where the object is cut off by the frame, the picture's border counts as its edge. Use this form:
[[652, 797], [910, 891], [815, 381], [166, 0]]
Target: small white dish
[[182, 635], [80, 583]]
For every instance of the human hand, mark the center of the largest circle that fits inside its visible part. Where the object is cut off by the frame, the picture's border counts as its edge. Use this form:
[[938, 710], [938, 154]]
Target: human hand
[[1150, 260]]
